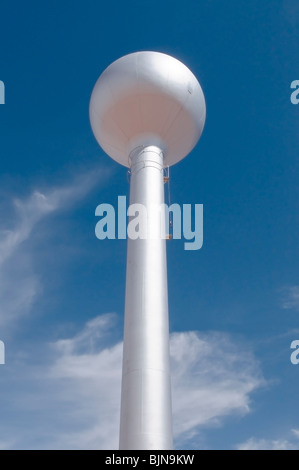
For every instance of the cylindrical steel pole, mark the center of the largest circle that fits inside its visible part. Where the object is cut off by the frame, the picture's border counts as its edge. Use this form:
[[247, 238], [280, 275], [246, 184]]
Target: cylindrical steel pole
[[146, 418]]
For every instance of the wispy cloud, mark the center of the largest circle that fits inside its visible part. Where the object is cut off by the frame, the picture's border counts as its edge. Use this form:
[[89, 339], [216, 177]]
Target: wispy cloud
[[291, 298], [213, 377], [291, 442], [77, 392], [19, 284], [29, 211]]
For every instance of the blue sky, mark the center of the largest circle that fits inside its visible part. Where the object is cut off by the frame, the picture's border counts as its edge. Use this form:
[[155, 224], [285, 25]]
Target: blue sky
[[234, 304]]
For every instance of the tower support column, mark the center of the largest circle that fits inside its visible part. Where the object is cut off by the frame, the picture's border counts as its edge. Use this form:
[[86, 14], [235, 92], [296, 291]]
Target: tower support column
[[146, 417]]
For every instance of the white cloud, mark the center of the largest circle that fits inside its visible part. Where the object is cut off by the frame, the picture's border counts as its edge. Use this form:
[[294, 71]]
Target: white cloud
[[19, 284], [18, 289], [30, 211], [291, 298], [89, 338], [213, 377], [72, 402], [289, 443]]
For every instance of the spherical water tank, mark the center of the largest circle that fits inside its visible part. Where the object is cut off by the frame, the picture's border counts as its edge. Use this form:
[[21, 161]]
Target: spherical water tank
[[147, 98]]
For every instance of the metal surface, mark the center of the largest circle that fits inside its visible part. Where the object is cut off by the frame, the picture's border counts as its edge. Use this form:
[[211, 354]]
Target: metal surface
[[147, 98], [146, 421], [147, 111]]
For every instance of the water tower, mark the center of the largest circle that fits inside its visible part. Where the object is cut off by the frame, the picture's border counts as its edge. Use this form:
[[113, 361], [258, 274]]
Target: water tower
[[147, 112]]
